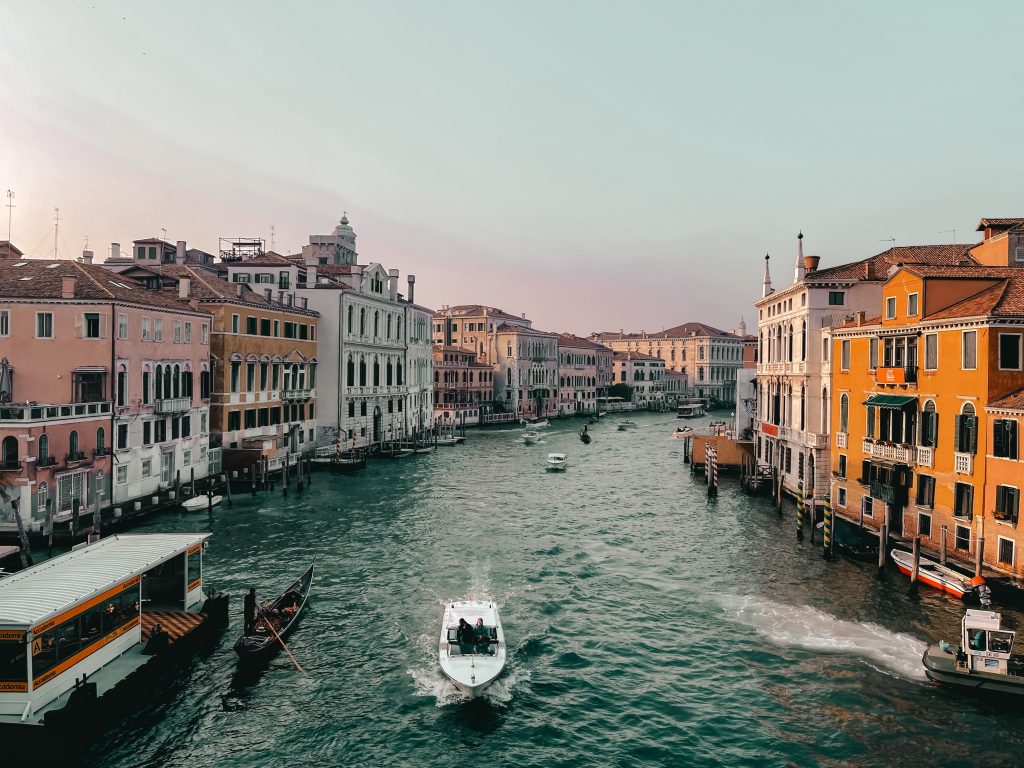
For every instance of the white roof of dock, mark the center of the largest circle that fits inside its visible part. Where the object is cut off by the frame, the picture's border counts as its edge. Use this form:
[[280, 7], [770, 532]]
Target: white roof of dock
[[37, 593]]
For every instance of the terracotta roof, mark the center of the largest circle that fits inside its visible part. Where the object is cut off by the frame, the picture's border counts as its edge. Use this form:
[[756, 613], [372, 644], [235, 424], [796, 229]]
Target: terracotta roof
[[570, 340], [997, 223], [461, 310], [509, 328], [269, 259], [1013, 401], [43, 279], [635, 356], [877, 267], [1005, 298], [676, 332], [851, 322]]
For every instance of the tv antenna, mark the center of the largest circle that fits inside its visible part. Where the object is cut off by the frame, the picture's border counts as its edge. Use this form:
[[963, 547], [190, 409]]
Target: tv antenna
[[947, 231], [271, 237], [56, 229], [890, 240], [10, 211]]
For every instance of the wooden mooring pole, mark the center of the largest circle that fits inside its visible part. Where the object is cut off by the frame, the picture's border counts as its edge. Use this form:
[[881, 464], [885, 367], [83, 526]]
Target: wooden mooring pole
[[916, 566], [800, 511], [26, 550], [883, 543], [826, 550], [227, 488], [942, 545]]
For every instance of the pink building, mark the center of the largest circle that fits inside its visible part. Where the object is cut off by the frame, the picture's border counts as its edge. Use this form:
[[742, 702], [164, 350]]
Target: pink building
[[79, 351]]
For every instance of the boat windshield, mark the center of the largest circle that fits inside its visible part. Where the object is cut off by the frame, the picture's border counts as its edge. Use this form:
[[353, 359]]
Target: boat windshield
[[1000, 642], [976, 640]]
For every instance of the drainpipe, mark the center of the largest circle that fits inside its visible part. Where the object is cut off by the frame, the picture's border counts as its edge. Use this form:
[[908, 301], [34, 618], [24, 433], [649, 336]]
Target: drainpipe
[[113, 400]]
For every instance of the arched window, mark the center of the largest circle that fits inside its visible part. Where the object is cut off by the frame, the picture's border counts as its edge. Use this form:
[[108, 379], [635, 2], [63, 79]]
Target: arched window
[[351, 314], [101, 442], [389, 326], [9, 452], [376, 324], [929, 425], [388, 374], [122, 385], [43, 451], [42, 494], [146, 394], [186, 382], [168, 389], [362, 321], [362, 371], [73, 444], [824, 410], [350, 372], [844, 413], [398, 335], [803, 340], [159, 382], [176, 381]]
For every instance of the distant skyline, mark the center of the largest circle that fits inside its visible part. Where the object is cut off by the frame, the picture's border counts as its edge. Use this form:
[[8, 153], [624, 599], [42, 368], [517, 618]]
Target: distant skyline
[[592, 164]]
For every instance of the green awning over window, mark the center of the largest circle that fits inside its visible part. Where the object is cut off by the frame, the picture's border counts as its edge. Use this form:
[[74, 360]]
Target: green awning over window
[[897, 402]]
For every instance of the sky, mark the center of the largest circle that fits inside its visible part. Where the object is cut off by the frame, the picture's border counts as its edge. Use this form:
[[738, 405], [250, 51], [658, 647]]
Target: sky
[[596, 165]]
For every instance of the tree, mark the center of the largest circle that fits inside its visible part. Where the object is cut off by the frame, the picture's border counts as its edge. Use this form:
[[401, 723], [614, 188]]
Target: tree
[[621, 390]]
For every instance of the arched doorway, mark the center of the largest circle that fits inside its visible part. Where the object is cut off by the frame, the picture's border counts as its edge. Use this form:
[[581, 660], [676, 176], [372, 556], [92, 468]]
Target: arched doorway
[[378, 424]]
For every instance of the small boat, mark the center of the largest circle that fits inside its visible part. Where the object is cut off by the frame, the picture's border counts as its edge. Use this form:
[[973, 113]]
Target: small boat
[[276, 621], [201, 502], [624, 425], [689, 411], [943, 577], [556, 462], [423, 449], [683, 432], [539, 423], [475, 665], [450, 441], [984, 660], [531, 436], [585, 438]]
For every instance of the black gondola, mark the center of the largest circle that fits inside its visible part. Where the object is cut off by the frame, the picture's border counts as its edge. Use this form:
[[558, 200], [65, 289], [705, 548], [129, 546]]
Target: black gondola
[[585, 438], [261, 643]]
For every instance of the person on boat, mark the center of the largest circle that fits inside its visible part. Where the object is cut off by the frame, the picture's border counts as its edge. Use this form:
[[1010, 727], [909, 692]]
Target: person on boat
[[482, 636], [465, 636], [249, 610]]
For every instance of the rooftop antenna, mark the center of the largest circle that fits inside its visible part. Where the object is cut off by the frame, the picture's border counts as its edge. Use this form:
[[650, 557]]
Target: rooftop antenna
[[10, 211], [56, 229], [890, 240], [947, 231], [271, 237], [164, 230], [87, 242]]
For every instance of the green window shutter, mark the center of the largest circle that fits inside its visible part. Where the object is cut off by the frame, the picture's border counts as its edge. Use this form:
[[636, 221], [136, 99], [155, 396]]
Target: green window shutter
[[998, 438], [972, 434], [957, 432], [1011, 438]]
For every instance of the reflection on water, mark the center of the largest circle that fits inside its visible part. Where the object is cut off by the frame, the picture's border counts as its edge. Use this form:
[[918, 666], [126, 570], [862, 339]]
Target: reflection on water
[[646, 625]]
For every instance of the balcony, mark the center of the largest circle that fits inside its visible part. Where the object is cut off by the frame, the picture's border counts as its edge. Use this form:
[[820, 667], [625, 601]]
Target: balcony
[[890, 494], [76, 456], [963, 463], [173, 404], [892, 452], [49, 461], [906, 374], [925, 456], [299, 394], [841, 439], [29, 412]]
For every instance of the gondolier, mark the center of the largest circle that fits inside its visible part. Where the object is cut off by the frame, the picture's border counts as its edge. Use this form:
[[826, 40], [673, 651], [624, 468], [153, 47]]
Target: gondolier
[[250, 610]]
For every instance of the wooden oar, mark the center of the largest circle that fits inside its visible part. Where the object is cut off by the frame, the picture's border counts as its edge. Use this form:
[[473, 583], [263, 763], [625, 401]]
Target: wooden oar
[[280, 639]]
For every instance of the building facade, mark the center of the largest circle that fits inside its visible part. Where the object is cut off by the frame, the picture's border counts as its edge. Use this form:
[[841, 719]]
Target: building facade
[[526, 371], [579, 381], [463, 387], [645, 375]]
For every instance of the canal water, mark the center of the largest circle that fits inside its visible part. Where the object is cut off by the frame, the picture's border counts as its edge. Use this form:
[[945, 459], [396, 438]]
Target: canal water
[[646, 626]]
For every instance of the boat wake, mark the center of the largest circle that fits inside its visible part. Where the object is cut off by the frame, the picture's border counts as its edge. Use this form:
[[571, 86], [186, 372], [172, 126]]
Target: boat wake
[[800, 626], [430, 682]]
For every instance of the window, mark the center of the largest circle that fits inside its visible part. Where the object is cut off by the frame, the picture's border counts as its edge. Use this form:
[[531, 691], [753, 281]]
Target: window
[[1006, 547], [101, 442], [250, 325], [929, 425], [145, 328], [235, 370], [1009, 351], [122, 437], [234, 420], [122, 325], [844, 412], [122, 386], [44, 325], [890, 307], [969, 358], [912, 305], [836, 298], [147, 467], [1004, 438], [158, 329], [188, 333], [966, 431], [842, 466], [91, 325], [924, 525], [841, 496], [73, 453], [867, 507], [234, 323], [264, 326], [1007, 503], [88, 386], [872, 353], [9, 453], [963, 501], [962, 539], [931, 351], [122, 474], [204, 334], [925, 491], [177, 332], [250, 418], [844, 363], [147, 433]]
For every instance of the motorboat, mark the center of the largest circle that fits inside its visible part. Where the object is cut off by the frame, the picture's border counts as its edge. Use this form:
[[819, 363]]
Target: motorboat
[[450, 441], [624, 425], [943, 577], [683, 432], [531, 436], [474, 665], [984, 659], [690, 411], [557, 462], [202, 501], [539, 423]]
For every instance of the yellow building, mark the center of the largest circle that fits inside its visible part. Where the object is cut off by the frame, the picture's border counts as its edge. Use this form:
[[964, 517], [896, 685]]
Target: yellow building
[[909, 409]]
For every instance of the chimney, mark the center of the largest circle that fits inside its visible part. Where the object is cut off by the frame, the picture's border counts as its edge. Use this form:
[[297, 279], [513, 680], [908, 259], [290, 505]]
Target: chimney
[[524, 315], [184, 287], [811, 263], [393, 283], [115, 250], [269, 292], [67, 287], [412, 288], [87, 257], [179, 253], [310, 275], [239, 288], [860, 318]]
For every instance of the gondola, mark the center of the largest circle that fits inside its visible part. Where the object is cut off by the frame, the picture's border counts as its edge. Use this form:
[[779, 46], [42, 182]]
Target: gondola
[[261, 643]]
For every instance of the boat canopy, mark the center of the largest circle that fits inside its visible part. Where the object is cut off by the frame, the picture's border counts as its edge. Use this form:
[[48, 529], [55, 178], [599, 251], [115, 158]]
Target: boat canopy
[[36, 594], [896, 402]]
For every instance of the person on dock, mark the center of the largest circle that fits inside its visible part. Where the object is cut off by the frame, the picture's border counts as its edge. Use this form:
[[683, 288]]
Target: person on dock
[[250, 610]]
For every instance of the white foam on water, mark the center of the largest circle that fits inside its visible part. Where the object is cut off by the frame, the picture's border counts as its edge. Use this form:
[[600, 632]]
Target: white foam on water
[[430, 681], [801, 626]]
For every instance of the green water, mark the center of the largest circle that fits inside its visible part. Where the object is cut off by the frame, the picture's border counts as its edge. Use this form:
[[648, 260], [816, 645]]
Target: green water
[[646, 626]]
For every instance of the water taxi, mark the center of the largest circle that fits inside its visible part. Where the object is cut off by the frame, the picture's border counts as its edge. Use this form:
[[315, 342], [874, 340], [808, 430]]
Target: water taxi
[[86, 631], [683, 432], [984, 660], [624, 425], [471, 662], [556, 462], [531, 436], [943, 577], [690, 411]]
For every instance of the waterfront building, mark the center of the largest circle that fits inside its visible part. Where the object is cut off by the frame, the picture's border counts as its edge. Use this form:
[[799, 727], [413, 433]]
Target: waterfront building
[[708, 356], [579, 382], [924, 411], [676, 386], [525, 370], [99, 404], [645, 374], [793, 387], [463, 387], [474, 327]]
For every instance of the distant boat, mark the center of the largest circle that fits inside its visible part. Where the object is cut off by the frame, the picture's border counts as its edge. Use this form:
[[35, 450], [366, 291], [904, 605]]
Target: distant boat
[[539, 423], [531, 436], [683, 432], [624, 425], [201, 502], [584, 438], [557, 462], [689, 411]]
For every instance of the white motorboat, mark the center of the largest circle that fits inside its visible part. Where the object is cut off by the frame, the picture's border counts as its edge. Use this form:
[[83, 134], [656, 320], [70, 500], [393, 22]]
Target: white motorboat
[[683, 432], [531, 436], [943, 577], [201, 502], [557, 462], [624, 425], [472, 666], [539, 423]]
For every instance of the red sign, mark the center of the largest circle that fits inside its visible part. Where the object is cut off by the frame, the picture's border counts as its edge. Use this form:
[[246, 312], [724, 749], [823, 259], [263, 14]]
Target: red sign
[[769, 429], [891, 376]]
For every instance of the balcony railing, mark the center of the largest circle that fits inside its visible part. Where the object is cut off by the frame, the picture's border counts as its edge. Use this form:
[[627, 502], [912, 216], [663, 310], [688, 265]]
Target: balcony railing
[[963, 463], [893, 452], [33, 412], [173, 404], [48, 461], [925, 456], [297, 394], [890, 494], [906, 374], [841, 439]]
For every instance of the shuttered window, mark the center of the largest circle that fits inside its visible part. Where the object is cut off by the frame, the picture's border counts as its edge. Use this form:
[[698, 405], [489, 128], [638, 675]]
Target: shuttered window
[[963, 501], [1004, 438], [1007, 503], [929, 425], [969, 360], [966, 434], [931, 351]]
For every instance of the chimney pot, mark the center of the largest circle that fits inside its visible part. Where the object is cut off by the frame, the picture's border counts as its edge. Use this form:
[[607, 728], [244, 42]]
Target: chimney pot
[[269, 293], [239, 288], [811, 263], [67, 287], [184, 287], [115, 250], [87, 256], [412, 288], [179, 252]]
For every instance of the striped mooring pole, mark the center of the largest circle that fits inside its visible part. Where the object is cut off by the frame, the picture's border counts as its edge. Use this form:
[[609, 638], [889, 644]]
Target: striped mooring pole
[[800, 511], [711, 468], [827, 547]]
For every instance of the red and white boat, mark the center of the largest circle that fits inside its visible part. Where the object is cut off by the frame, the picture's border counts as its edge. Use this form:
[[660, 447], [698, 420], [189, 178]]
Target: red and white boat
[[943, 577]]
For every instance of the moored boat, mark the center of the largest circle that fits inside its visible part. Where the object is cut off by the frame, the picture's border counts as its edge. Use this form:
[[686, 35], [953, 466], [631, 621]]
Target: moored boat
[[471, 659], [275, 621], [690, 411], [556, 462], [983, 661], [539, 423], [202, 502], [943, 577]]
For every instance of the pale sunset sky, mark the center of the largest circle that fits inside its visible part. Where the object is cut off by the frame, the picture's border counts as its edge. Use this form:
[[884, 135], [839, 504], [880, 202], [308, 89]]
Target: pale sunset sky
[[597, 165]]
